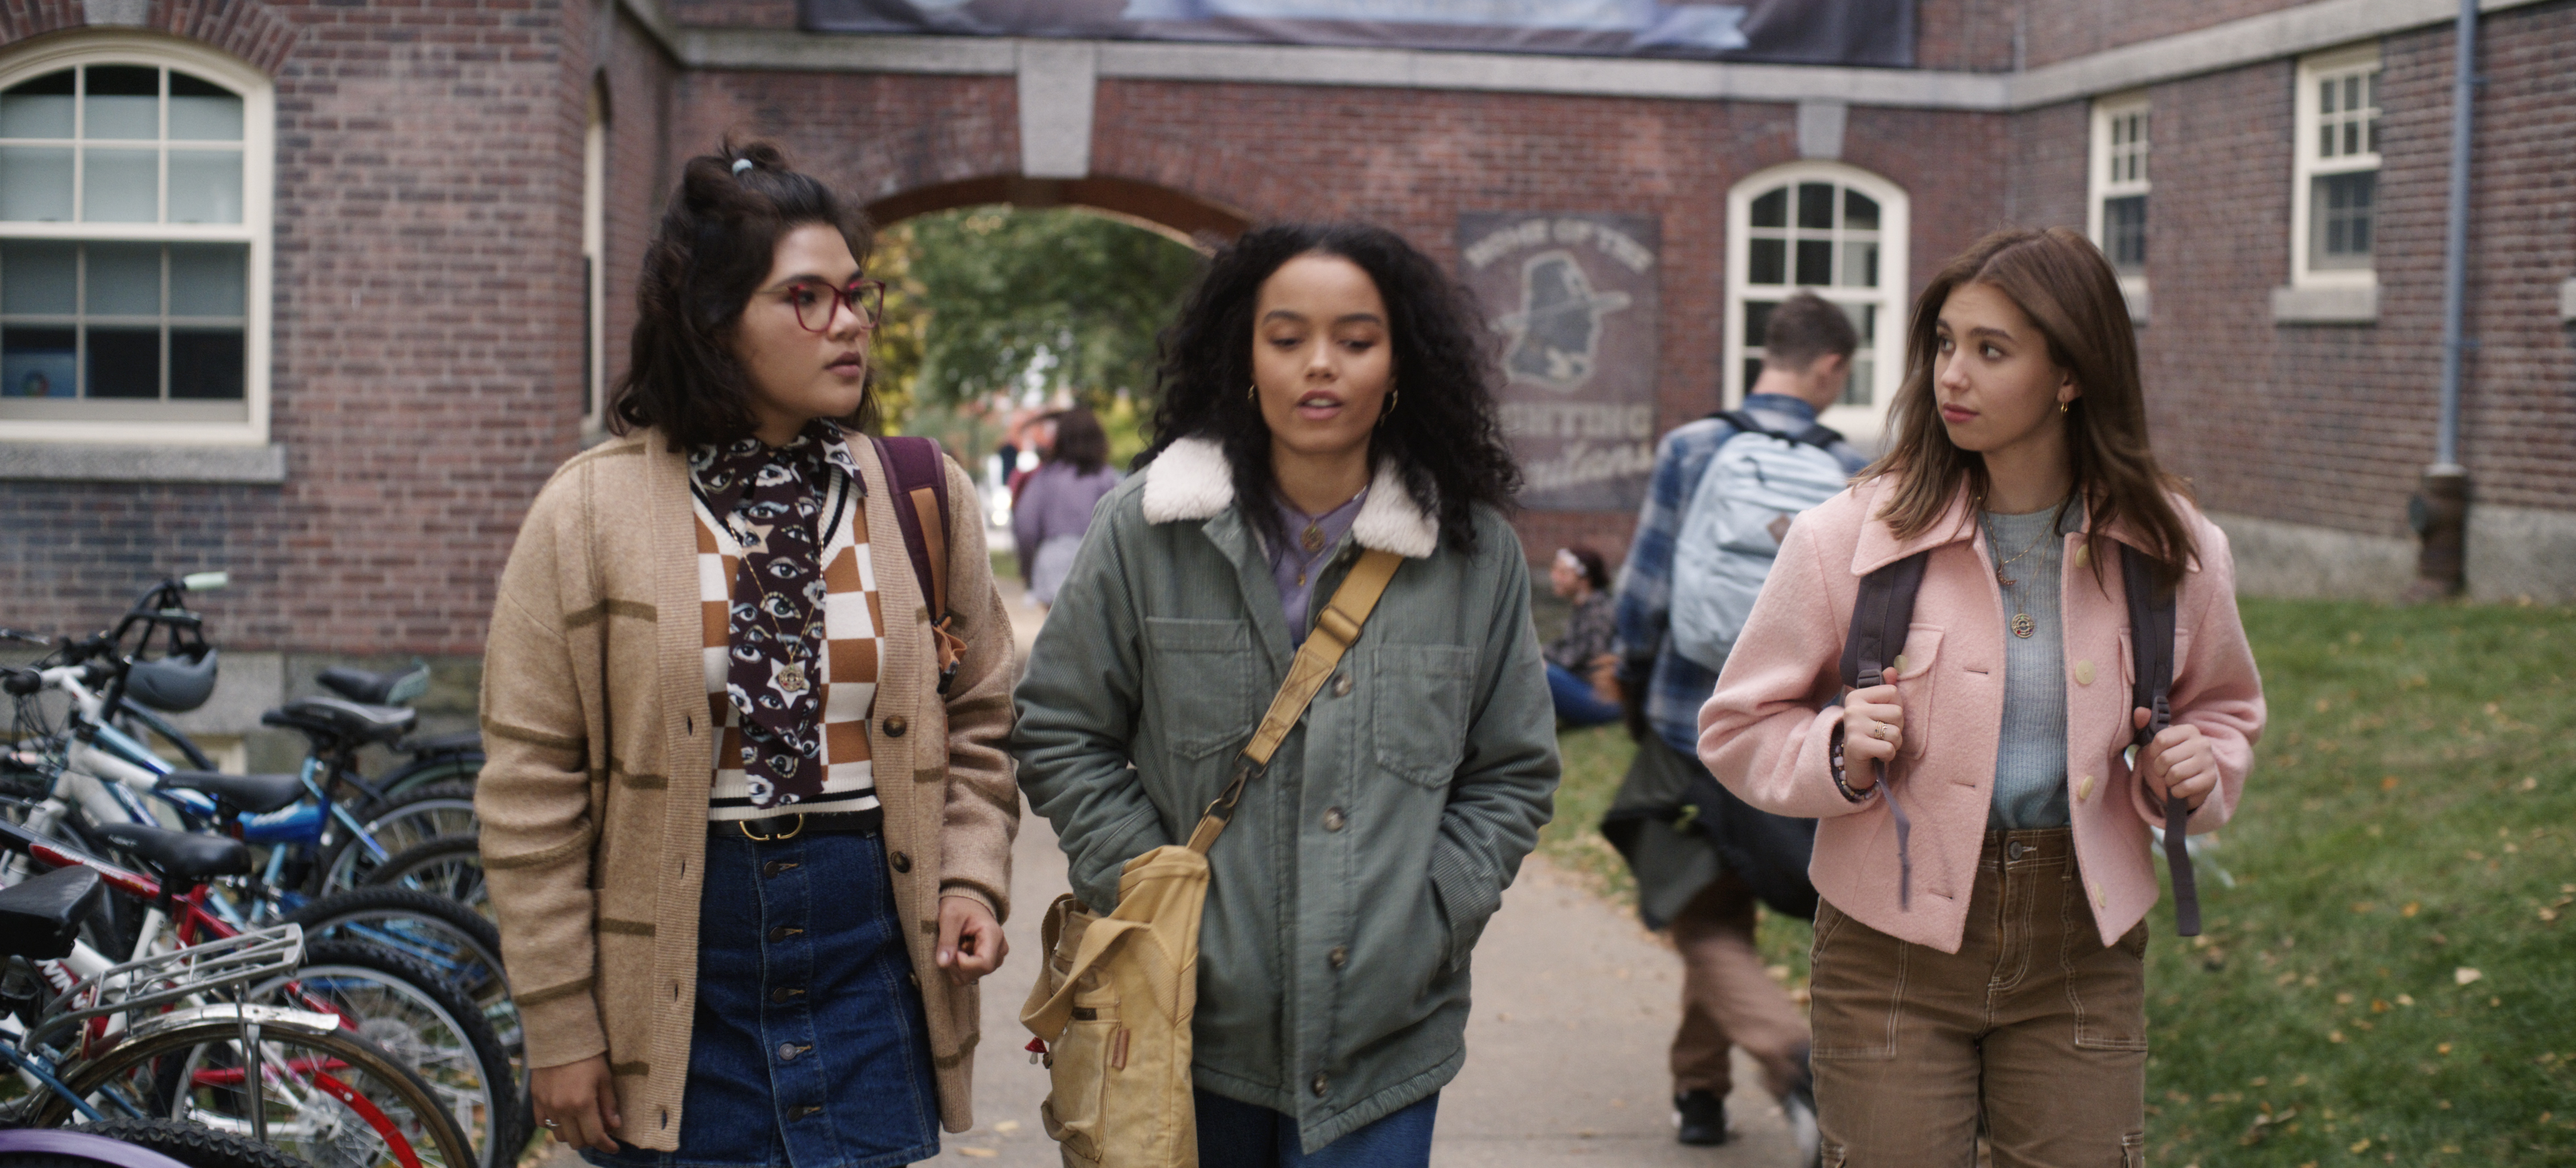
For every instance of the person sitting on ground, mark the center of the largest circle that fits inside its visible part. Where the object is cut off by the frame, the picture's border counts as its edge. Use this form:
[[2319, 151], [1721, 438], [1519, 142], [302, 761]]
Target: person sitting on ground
[[1054, 507], [1579, 662]]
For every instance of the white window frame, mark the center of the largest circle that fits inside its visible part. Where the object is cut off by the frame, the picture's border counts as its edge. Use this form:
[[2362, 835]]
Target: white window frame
[[1891, 297], [2307, 165], [2120, 169], [259, 167], [594, 254]]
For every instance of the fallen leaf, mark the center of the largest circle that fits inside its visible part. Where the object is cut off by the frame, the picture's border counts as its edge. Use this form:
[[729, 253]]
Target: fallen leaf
[[2529, 782], [1778, 973], [1007, 1126], [2286, 978], [2548, 914], [2343, 999], [2259, 1081], [2363, 1145], [2405, 1000], [2324, 704], [2378, 1007], [978, 1153], [2362, 906], [2411, 909], [2388, 783], [2334, 1036], [2301, 1081], [2444, 1048], [2475, 854], [2464, 975]]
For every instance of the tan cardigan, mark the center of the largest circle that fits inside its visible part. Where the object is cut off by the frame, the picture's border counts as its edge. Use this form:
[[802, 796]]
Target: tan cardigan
[[593, 798]]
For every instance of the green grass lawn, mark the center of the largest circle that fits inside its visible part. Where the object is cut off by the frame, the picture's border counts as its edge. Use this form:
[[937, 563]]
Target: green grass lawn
[[2392, 979]]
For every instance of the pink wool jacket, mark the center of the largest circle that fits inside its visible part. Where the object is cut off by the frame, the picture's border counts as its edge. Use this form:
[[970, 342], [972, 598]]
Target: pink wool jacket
[[1765, 734]]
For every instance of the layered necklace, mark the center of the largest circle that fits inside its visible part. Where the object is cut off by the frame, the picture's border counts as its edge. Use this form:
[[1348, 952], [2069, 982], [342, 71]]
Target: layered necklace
[[2022, 623]]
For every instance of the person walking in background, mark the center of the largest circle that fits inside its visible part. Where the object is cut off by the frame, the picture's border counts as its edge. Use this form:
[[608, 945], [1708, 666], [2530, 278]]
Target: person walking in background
[[1054, 506], [1579, 575], [1325, 391], [1704, 884], [731, 943], [1984, 970]]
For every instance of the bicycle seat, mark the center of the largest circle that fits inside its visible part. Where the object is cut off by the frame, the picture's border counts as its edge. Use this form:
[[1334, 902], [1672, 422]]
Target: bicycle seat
[[342, 718], [182, 856], [391, 688], [461, 742], [41, 917], [251, 794]]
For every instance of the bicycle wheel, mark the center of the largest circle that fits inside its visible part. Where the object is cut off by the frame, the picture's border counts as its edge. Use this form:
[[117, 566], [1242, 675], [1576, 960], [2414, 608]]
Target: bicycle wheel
[[449, 937], [461, 767], [394, 823], [326, 1096], [194, 1146], [422, 1020], [449, 867]]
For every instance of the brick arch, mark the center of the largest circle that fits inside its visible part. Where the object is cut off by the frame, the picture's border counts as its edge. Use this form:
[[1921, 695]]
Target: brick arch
[[1198, 221], [247, 29]]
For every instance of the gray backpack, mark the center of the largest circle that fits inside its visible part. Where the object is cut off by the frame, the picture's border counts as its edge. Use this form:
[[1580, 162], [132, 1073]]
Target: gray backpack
[[1759, 480]]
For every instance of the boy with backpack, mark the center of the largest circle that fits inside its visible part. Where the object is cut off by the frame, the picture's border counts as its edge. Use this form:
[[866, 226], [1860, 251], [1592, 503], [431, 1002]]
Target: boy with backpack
[[1723, 491]]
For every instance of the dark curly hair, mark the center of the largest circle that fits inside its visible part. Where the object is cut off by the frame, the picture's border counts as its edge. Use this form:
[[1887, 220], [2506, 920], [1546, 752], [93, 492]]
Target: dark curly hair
[[715, 246], [1446, 438]]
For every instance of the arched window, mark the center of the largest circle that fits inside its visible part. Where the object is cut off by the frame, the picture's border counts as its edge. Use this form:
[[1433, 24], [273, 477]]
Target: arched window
[[1840, 232], [134, 238]]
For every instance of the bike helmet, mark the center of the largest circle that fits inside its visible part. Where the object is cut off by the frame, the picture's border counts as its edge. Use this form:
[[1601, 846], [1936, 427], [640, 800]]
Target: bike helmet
[[174, 684]]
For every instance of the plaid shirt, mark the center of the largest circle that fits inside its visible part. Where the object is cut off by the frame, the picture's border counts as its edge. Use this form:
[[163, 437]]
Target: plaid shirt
[[1677, 686]]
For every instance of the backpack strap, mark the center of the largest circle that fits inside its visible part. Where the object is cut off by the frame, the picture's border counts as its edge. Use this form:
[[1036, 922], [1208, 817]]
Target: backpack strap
[[917, 475], [1880, 617], [2151, 644], [1818, 435]]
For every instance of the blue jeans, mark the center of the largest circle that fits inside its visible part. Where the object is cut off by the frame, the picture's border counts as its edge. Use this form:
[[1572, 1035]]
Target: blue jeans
[[1575, 702], [1234, 1134], [808, 1049]]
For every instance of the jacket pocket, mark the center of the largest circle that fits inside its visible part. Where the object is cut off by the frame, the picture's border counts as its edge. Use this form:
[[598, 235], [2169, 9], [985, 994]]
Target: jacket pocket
[[1418, 709], [1196, 680], [1914, 687]]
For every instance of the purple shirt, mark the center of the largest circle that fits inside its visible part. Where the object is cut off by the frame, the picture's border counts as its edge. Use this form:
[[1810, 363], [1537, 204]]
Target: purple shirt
[[1297, 569], [1056, 501]]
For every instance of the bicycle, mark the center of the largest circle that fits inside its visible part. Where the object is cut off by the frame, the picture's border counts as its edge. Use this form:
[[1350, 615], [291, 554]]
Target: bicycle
[[146, 1040], [430, 1025]]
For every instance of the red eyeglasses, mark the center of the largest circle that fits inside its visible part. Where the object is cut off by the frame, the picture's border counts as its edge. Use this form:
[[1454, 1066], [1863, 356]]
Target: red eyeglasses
[[816, 303]]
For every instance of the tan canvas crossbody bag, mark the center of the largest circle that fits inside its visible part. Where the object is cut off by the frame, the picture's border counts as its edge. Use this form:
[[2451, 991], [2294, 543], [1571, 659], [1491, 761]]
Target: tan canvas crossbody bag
[[1112, 1006]]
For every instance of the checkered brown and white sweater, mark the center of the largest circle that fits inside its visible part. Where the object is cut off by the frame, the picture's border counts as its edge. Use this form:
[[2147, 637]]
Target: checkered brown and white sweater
[[593, 800]]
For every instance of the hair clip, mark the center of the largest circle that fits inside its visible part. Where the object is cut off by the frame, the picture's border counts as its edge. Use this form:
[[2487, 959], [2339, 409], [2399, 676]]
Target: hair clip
[[740, 165]]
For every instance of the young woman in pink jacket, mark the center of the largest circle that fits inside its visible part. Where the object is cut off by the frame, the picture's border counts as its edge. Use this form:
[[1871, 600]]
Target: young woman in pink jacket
[[2003, 989]]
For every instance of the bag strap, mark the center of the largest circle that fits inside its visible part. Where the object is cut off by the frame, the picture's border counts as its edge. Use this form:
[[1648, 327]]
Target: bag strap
[[1335, 629], [1817, 435], [1880, 617], [2151, 644], [917, 475]]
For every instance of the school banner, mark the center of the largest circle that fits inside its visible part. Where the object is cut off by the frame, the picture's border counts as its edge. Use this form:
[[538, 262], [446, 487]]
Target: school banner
[[1572, 298], [1841, 32]]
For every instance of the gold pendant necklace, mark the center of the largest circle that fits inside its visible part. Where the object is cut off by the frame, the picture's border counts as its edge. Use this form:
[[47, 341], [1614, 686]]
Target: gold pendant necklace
[[2022, 624]]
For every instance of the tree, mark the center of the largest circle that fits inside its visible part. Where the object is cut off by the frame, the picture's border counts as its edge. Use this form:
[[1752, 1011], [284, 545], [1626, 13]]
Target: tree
[[992, 300]]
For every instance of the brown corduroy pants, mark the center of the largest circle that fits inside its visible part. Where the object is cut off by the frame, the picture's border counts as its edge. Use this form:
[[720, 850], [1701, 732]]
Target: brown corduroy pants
[[2033, 1031], [1727, 999]]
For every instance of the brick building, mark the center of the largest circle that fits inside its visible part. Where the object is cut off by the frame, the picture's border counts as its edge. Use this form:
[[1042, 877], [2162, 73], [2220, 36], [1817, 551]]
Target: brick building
[[335, 283]]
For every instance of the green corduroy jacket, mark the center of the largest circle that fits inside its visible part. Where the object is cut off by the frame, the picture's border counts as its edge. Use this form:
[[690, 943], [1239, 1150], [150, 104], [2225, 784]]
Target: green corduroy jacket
[[1354, 881]]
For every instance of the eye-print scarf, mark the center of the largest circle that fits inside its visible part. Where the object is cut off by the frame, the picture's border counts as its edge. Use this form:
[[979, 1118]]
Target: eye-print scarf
[[769, 498]]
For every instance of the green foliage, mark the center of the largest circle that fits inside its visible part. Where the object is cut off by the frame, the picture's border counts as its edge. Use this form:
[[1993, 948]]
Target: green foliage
[[2390, 979], [994, 299]]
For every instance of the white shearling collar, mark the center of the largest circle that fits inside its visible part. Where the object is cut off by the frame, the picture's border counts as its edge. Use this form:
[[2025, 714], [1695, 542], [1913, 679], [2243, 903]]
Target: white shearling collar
[[1191, 479]]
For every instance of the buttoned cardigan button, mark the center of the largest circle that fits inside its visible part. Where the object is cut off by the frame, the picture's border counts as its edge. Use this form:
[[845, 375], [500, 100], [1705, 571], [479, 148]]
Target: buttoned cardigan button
[[894, 726], [902, 862]]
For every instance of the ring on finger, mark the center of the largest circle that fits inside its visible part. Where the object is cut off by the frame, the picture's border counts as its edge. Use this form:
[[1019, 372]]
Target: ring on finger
[[1880, 732], [548, 1124]]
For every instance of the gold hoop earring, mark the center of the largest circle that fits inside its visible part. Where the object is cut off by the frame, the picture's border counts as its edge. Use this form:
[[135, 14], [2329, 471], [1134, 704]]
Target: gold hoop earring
[[1391, 395], [1252, 392], [2061, 406]]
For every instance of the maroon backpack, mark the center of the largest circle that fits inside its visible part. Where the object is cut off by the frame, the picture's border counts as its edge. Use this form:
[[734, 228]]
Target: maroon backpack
[[917, 474]]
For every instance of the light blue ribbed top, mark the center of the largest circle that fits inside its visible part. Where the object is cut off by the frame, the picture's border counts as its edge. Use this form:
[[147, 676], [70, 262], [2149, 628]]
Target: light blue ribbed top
[[2030, 753]]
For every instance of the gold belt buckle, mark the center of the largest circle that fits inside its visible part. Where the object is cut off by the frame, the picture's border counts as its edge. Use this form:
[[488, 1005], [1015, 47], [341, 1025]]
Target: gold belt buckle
[[745, 827]]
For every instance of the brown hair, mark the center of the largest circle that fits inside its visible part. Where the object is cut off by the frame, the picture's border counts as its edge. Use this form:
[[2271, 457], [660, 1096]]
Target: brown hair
[[1803, 328], [1080, 440], [2061, 282], [1596, 570], [716, 244]]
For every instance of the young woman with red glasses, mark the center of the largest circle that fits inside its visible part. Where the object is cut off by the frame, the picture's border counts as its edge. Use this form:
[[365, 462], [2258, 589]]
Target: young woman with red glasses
[[749, 853]]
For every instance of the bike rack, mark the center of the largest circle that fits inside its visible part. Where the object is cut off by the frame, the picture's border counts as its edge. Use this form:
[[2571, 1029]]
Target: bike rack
[[170, 977]]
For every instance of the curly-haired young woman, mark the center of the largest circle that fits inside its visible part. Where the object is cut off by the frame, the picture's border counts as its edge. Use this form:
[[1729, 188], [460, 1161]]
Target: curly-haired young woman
[[1326, 390], [1999, 984], [749, 853]]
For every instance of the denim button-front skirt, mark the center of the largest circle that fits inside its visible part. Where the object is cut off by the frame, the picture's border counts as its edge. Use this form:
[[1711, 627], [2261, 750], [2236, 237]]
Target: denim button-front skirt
[[809, 1049]]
